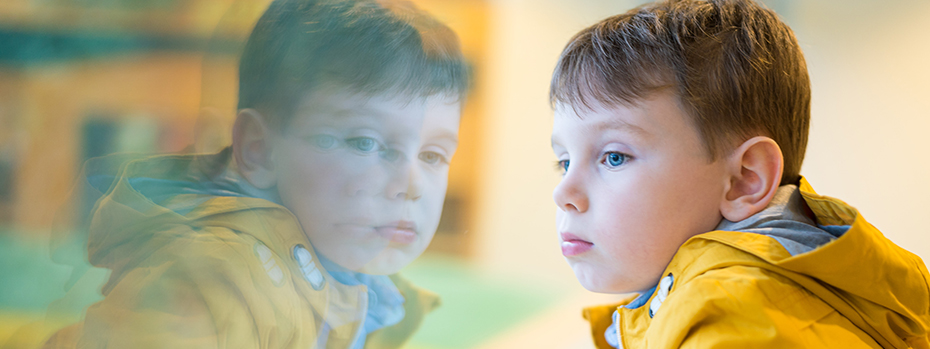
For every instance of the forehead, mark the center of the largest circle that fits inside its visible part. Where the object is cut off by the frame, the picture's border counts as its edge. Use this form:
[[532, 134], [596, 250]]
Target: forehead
[[389, 113], [343, 102], [345, 109], [443, 114], [658, 117]]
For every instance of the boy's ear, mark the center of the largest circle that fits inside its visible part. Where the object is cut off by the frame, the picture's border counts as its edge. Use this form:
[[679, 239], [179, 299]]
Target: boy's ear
[[754, 171], [252, 147]]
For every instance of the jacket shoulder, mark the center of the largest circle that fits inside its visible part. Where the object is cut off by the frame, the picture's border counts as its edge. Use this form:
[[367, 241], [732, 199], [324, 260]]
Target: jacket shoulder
[[749, 306], [202, 255], [195, 288]]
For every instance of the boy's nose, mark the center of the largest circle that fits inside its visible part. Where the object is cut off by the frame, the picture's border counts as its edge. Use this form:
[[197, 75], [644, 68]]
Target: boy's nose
[[569, 197], [405, 183]]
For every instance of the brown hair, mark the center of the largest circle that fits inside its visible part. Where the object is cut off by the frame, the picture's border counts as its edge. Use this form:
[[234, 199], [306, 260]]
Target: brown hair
[[737, 69], [369, 46]]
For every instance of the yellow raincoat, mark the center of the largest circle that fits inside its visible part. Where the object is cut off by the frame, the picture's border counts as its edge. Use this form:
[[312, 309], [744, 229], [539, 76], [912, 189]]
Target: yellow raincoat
[[744, 290], [223, 275]]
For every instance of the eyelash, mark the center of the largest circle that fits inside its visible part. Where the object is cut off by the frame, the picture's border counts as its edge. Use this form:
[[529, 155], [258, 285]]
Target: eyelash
[[440, 159], [364, 145], [357, 144], [561, 166], [375, 147]]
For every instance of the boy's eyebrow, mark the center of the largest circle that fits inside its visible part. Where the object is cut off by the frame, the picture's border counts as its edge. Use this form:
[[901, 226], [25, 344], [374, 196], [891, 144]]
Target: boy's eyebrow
[[450, 136], [341, 111], [363, 111], [616, 124], [613, 124]]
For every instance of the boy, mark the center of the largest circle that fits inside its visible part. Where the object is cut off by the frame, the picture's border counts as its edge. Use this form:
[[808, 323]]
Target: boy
[[681, 127], [349, 114]]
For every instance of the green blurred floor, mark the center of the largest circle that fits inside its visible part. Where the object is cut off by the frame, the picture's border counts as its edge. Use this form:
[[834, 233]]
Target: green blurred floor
[[475, 306]]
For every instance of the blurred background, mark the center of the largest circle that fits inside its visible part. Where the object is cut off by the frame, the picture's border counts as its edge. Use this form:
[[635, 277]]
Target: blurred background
[[84, 78]]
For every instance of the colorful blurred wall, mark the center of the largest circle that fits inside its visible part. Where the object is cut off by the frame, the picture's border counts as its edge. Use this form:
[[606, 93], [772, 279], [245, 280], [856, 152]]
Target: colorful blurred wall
[[82, 78]]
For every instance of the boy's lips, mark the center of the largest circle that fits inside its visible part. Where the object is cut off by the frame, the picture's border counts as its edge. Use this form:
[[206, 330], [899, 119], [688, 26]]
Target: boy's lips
[[573, 245], [402, 232]]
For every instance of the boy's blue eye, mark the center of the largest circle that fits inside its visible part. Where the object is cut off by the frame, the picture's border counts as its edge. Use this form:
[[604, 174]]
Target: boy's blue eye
[[562, 166], [389, 154], [323, 141], [615, 159], [364, 144]]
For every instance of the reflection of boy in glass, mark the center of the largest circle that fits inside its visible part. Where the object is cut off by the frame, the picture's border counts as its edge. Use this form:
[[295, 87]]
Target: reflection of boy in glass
[[349, 114]]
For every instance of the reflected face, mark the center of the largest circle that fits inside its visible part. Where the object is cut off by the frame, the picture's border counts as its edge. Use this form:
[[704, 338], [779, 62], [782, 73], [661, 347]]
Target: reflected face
[[637, 184], [366, 176]]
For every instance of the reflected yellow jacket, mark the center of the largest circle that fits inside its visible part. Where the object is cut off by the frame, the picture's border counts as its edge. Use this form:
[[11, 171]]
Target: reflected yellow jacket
[[223, 275], [744, 290]]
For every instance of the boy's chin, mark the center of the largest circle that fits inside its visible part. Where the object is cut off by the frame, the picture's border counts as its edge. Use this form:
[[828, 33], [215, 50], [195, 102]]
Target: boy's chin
[[599, 282], [387, 262], [381, 269]]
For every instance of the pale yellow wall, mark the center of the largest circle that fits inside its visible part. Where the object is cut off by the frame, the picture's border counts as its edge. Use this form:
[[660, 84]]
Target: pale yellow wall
[[515, 231], [870, 133]]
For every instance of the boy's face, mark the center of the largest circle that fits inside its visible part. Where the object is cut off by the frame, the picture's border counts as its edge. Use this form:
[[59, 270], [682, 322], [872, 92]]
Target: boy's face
[[638, 184], [366, 175]]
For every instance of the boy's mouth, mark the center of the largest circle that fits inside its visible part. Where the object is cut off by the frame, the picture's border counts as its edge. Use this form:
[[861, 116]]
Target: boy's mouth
[[402, 232], [573, 245]]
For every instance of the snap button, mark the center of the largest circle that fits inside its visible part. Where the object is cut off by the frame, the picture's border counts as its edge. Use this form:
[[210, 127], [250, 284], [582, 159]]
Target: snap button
[[272, 268], [308, 268], [665, 286]]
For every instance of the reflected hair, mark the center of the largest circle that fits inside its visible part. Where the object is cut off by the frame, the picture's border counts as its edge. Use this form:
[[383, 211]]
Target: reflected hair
[[736, 69], [370, 47]]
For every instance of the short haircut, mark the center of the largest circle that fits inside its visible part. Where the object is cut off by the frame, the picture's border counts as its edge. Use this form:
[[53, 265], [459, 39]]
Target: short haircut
[[368, 46], [737, 69]]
